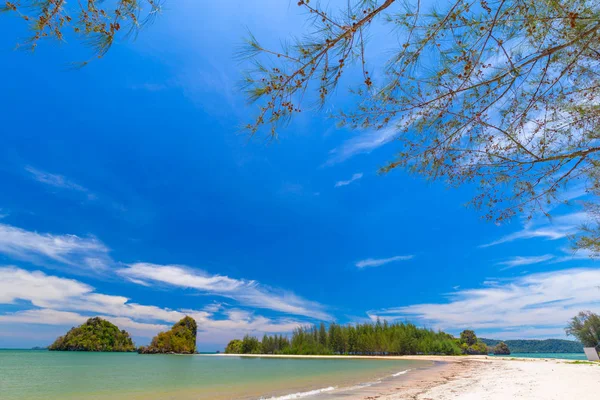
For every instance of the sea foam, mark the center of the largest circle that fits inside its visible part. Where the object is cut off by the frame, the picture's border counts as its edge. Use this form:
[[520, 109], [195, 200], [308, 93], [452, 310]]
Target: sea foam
[[300, 395], [401, 372]]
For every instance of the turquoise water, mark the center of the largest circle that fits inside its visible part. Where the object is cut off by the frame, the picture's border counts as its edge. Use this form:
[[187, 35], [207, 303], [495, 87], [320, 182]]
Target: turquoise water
[[29, 374], [561, 356]]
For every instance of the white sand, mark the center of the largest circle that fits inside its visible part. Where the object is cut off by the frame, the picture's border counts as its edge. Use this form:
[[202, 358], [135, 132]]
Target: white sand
[[500, 379]]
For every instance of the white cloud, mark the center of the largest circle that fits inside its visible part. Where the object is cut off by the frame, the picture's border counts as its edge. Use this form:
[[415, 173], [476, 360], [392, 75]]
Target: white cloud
[[44, 317], [57, 181], [36, 286], [355, 177], [518, 261], [65, 249], [248, 293], [550, 229], [362, 143], [377, 262], [54, 317], [539, 303], [571, 254], [61, 301]]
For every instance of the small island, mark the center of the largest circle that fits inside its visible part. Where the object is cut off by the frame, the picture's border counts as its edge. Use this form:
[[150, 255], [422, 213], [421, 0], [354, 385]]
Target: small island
[[96, 334], [181, 339]]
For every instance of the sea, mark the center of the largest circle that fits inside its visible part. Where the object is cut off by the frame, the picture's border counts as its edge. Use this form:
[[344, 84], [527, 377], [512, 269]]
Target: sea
[[40, 374]]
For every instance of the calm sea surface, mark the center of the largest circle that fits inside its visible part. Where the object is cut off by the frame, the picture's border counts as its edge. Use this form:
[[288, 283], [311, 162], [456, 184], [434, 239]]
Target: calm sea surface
[[29, 374]]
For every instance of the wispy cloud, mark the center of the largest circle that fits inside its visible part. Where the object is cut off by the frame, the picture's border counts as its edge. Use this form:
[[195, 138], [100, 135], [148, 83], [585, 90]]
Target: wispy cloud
[[518, 261], [58, 181], [89, 255], [553, 229], [246, 292], [377, 262], [354, 178], [60, 301], [541, 302], [362, 143], [43, 248], [570, 254]]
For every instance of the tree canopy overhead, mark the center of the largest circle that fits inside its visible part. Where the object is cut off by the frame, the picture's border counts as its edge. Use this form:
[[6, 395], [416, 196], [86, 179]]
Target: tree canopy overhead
[[499, 94], [97, 23], [503, 94]]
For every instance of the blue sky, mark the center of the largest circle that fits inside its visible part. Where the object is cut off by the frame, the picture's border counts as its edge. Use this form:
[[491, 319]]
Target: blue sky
[[129, 192]]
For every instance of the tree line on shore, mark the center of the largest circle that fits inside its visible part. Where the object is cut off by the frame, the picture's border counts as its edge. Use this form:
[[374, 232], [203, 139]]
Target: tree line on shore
[[378, 338]]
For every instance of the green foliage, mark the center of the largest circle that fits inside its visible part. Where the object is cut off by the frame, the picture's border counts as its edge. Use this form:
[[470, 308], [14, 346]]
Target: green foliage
[[585, 362], [95, 335], [274, 344], [468, 337], [234, 347], [96, 22], [501, 349], [539, 346], [470, 344], [586, 328], [497, 94], [250, 345], [181, 339], [360, 339]]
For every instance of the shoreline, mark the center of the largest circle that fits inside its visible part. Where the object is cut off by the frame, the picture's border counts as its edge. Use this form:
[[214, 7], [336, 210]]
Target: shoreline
[[470, 378], [346, 357], [437, 358]]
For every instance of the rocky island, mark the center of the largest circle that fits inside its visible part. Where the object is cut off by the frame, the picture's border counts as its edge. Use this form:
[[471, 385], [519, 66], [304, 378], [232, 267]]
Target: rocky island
[[181, 339], [96, 334]]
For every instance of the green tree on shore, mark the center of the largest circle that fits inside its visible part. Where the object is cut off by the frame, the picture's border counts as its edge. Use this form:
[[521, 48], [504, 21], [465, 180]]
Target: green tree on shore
[[585, 326], [468, 336], [470, 344], [234, 347], [359, 339]]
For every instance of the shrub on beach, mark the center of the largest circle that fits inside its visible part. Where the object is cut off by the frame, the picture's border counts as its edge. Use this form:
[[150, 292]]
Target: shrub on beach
[[585, 326]]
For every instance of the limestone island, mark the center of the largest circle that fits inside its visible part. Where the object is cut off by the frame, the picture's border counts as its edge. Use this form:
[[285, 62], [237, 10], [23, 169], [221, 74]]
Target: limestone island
[[96, 334], [181, 339]]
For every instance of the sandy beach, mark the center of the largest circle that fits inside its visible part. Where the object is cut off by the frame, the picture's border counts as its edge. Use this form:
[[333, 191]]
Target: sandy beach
[[475, 378], [483, 378]]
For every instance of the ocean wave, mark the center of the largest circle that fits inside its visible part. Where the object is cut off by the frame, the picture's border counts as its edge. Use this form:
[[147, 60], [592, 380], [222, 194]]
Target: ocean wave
[[401, 372], [300, 395]]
